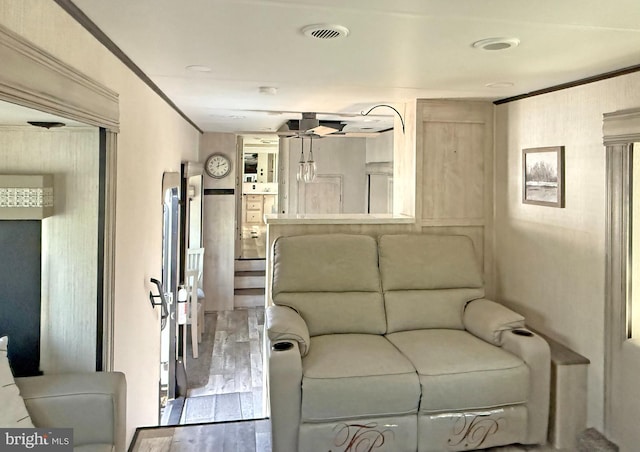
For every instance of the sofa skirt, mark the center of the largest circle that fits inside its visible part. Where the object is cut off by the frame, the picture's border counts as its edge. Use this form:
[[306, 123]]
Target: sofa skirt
[[472, 430], [387, 434]]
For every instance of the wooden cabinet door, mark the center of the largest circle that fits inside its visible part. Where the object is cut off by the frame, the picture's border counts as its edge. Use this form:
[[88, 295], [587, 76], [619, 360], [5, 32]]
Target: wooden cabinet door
[[322, 196]]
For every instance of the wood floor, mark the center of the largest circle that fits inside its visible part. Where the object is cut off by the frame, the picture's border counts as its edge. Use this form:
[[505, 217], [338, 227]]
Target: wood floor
[[253, 241], [226, 382], [244, 436]]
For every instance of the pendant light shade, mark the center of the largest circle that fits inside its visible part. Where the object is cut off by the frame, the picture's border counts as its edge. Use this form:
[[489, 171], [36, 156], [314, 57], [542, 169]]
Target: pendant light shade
[[310, 165], [307, 170], [301, 163]]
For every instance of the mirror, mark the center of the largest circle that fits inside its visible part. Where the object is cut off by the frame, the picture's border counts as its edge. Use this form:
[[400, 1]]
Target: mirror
[[260, 167]]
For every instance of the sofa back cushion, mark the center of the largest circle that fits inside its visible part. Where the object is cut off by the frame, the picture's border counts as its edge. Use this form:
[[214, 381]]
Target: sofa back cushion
[[332, 280], [427, 280]]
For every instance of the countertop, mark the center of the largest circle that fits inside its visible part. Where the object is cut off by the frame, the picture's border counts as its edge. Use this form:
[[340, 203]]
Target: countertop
[[344, 218]]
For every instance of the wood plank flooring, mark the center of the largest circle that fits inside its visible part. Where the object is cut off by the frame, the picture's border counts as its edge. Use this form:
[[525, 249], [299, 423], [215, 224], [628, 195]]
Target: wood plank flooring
[[253, 241], [243, 436], [226, 382]]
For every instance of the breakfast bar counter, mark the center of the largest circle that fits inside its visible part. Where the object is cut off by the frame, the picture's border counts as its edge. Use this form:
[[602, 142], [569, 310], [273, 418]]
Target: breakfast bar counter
[[353, 218]]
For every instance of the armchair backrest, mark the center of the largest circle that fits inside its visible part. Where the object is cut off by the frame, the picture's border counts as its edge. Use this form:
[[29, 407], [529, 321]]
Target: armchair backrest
[[428, 280], [332, 280]]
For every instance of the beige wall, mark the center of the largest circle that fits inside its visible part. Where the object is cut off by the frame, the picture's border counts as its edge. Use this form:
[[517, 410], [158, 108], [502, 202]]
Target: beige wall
[[153, 139], [549, 262], [380, 148], [69, 241]]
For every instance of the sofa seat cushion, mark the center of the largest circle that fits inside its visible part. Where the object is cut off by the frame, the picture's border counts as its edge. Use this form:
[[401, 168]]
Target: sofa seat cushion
[[459, 371], [346, 376]]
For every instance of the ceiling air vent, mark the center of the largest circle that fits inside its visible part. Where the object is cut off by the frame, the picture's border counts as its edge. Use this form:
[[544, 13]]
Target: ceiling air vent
[[325, 31]]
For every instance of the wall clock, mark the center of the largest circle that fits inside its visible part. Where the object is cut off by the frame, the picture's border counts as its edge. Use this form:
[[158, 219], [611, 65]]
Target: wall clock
[[217, 166]]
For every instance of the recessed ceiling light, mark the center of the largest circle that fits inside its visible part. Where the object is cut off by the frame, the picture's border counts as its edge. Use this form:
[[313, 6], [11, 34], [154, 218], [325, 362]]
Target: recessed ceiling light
[[45, 124], [496, 43], [499, 85], [198, 68], [237, 117], [268, 90], [325, 31]]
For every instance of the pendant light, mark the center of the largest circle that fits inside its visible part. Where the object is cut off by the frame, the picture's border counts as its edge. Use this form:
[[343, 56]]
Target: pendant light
[[301, 163], [310, 166]]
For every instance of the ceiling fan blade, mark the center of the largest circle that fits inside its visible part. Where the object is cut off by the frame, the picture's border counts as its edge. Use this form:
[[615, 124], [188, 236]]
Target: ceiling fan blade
[[286, 133], [322, 131], [300, 113]]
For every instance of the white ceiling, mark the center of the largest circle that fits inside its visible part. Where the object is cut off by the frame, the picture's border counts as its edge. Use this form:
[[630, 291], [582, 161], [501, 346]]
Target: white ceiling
[[396, 50]]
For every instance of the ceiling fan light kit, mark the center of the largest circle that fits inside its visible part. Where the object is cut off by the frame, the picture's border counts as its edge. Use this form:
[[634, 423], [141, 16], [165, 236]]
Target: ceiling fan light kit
[[268, 90]]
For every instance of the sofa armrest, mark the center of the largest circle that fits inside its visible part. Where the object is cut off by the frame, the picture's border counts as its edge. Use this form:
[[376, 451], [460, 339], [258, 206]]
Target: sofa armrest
[[505, 328], [488, 320], [93, 404], [534, 351], [285, 394], [285, 324]]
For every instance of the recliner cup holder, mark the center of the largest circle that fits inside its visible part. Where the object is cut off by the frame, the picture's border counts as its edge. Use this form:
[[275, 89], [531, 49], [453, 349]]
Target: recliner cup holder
[[282, 346], [520, 332]]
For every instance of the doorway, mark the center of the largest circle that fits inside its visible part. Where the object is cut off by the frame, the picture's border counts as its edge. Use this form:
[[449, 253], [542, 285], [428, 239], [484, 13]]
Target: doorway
[[379, 187], [622, 341], [65, 282], [168, 288], [258, 159]]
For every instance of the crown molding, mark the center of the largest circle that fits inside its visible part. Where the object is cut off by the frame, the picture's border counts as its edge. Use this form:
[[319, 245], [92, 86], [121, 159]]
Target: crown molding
[[33, 78]]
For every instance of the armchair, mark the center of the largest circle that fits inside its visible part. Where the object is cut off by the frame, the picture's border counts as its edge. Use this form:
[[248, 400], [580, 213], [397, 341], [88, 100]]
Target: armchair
[[93, 404]]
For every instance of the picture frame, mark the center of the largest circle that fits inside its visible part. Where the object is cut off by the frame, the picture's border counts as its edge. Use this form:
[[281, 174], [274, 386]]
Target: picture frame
[[543, 176]]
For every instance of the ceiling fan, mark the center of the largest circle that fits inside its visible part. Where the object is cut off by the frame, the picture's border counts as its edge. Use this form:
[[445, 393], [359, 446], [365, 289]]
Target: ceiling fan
[[310, 125], [353, 125]]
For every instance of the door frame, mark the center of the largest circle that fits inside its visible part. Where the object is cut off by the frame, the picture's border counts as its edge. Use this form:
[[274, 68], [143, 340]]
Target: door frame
[[238, 192], [378, 169], [43, 82], [620, 130], [171, 182]]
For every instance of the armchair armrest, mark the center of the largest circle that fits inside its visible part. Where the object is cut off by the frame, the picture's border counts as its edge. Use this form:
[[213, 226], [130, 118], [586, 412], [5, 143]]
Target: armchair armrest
[[488, 320], [93, 404], [285, 324]]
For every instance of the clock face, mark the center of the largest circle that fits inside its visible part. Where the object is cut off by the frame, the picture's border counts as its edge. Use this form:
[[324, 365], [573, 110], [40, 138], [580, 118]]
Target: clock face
[[217, 166]]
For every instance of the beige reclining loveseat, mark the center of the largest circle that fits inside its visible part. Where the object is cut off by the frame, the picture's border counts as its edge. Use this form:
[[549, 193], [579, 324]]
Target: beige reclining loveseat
[[389, 345]]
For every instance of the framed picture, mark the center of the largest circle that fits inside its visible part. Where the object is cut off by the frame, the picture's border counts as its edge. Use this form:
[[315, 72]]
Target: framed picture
[[543, 176]]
